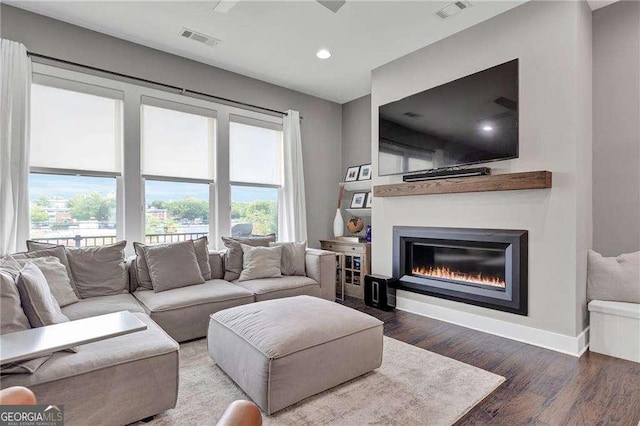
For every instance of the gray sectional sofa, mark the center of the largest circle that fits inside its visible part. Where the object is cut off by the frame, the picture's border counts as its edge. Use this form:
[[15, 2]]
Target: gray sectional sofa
[[127, 378], [184, 312]]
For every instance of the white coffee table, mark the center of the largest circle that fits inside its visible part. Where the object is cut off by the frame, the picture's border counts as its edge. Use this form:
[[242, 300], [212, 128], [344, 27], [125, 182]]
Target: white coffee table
[[35, 342]]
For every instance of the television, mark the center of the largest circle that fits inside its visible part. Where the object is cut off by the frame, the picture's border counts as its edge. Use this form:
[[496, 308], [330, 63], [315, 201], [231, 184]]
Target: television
[[467, 121]]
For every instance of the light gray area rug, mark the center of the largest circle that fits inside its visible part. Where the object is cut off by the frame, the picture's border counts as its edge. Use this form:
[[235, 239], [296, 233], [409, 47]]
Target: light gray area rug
[[412, 387]]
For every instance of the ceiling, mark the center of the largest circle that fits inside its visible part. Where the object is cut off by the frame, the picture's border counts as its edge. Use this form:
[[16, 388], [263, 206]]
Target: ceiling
[[597, 4], [277, 41]]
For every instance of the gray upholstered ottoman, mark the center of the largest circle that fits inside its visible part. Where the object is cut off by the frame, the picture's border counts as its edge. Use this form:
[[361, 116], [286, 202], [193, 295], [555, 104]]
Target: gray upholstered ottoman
[[282, 351]]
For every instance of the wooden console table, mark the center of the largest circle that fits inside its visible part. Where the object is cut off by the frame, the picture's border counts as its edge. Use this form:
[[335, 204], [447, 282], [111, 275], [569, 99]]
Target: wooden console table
[[353, 264], [35, 342]]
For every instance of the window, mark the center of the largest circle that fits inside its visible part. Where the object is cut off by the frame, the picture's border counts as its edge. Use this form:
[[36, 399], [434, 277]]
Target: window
[[85, 163], [175, 211], [256, 176], [177, 164], [254, 210], [74, 130], [76, 159], [177, 144], [73, 210]]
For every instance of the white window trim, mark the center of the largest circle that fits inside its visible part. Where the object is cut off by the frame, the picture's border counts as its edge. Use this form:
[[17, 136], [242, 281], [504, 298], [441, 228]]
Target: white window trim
[[131, 221]]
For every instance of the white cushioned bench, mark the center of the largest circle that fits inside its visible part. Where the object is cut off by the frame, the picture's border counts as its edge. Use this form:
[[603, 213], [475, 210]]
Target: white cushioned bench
[[615, 329]]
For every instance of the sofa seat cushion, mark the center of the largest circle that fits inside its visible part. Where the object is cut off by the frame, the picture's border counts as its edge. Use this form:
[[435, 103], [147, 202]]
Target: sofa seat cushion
[[102, 305], [210, 291], [114, 381], [184, 312], [98, 355], [275, 288], [621, 309]]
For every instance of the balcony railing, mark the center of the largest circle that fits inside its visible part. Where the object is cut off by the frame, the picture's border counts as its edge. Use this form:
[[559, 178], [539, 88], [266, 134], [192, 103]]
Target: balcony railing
[[89, 241], [173, 238]]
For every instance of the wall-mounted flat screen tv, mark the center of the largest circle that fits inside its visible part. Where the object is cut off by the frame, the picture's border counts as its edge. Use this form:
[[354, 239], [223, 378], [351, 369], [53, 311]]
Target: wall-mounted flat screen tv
[[467, 121]]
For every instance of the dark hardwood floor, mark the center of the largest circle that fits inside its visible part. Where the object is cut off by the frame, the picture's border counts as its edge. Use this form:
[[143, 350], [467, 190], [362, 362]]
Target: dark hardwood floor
[[543, 387]]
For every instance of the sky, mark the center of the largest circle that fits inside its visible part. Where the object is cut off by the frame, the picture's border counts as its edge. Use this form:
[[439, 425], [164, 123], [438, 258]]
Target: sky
[[57, 186]]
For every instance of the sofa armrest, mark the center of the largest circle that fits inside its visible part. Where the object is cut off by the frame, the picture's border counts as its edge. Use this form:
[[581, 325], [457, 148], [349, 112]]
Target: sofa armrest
[[321, 266]]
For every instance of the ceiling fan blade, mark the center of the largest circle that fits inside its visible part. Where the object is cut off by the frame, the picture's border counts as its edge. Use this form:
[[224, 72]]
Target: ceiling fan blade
[[332, 5]]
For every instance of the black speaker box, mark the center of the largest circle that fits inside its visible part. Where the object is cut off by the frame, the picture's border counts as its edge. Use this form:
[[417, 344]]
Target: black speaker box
[[380, 292]]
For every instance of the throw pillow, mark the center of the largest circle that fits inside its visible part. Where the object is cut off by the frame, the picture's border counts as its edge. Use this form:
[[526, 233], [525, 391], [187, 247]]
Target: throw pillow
[[24, 367], [233, 257], [260, 262], [293, 258], [173, 266], [38, 303], [10, 265], [216, 262], [99, 271], [142, 270], [43, 250], [201, 246], [12, 317], [37, 245], [57, 278], [616, 279]]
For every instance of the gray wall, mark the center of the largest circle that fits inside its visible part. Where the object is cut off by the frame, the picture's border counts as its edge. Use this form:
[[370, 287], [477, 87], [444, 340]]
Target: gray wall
[[356, 143], [553, 43], [356, 132], [321, 127], [616, 128]]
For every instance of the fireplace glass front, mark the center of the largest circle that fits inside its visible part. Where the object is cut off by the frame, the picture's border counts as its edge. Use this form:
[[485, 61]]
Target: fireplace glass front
[[462, 263]]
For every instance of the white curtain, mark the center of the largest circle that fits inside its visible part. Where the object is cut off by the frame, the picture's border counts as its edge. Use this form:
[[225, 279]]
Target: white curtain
[[15, 92], [292, 224]]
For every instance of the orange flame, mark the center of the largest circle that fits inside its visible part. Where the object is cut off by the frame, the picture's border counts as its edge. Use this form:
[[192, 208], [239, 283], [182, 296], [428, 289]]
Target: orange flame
[[458, 276]]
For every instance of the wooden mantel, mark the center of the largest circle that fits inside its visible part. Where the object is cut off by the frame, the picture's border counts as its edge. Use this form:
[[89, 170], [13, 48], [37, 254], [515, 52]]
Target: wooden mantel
[[453, 185]]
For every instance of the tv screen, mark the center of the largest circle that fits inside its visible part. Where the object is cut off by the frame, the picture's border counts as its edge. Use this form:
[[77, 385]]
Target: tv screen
[[467, 121]]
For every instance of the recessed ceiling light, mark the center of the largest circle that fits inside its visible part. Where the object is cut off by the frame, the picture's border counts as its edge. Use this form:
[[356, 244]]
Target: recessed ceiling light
[[487, 128], [323, 54]]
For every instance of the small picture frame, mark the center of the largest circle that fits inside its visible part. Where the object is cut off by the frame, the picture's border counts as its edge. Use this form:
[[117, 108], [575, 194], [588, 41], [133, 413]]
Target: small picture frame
[[352, 174], [358, 200], [369, 202], [365, 172]]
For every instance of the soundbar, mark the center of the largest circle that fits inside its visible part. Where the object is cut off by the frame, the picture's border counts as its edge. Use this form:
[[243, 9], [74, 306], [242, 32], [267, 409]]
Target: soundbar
[[446, 173]]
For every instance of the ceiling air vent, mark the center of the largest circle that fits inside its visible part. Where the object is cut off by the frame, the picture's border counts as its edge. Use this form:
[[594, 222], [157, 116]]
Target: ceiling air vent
[[199, 37], [452, 9]]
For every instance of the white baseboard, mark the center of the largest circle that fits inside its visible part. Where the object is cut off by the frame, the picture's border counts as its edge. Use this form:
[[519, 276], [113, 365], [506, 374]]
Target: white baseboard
[[570, 345]]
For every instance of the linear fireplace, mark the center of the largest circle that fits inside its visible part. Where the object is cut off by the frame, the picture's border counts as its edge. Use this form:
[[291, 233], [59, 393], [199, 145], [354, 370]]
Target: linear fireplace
[[484, 267]]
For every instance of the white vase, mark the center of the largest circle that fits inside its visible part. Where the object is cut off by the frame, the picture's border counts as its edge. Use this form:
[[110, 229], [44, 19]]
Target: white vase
[[338, 224]]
